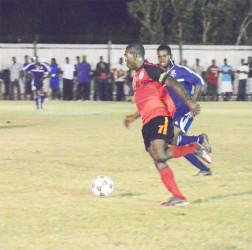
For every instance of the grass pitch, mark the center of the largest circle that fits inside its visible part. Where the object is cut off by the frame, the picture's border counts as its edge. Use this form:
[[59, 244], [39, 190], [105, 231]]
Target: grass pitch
[[48, 159]]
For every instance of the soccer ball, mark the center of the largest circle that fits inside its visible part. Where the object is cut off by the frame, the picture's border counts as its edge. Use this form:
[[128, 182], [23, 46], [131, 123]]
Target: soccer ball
[[102, 186]]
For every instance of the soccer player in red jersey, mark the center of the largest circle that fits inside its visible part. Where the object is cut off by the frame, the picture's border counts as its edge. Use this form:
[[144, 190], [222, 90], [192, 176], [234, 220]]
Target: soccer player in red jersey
[[156, 109]]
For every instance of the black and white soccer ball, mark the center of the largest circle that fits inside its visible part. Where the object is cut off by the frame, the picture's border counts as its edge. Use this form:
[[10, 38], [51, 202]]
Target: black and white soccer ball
[[102, 186]]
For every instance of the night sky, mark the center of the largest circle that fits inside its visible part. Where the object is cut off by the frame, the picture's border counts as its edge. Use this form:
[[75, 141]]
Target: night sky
[[64, 18]]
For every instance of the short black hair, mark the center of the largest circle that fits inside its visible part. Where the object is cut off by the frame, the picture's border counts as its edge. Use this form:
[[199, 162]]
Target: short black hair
[[164, 47], [137, 48]]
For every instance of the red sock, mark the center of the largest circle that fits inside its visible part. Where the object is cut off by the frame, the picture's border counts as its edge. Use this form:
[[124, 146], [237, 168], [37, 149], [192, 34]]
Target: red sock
[[167, 178], [178, 151]]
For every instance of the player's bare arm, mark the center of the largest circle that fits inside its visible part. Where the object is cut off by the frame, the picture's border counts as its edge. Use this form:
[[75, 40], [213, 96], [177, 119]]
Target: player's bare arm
[[47, 75], [197, 93], [130, 119], [194, 107]]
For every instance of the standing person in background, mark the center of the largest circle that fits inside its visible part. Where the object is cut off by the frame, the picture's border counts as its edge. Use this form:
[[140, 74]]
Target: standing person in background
[[55, 79], [83, 71], [242, 72], [15, 75], [212, 76], [46, 83], [6, 80], [249, 80], [248, 60], [199, 69], [26, 60], [27, 78], [226, 81], [119, 73], [129, 80], [39, 72], [183, 118], [184, 63], [1, 83], [68, 70], [95, 86], [156, 108], [102, 71], [78, 61]]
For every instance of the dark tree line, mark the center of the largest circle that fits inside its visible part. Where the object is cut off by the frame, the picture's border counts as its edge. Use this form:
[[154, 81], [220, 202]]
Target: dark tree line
[[194, 21], [123, 21]]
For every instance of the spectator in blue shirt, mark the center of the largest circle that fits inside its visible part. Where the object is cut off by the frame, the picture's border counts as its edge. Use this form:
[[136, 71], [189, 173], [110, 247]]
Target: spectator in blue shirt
[[226, 81], [83, 70], [55, 79]]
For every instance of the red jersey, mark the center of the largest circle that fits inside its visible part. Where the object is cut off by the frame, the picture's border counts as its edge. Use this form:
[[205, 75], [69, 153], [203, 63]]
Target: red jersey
[[213, 74], [151, 98]]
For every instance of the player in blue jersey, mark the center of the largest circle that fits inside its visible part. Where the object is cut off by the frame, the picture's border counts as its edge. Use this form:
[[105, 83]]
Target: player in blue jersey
[[39, 72], [183, 117]]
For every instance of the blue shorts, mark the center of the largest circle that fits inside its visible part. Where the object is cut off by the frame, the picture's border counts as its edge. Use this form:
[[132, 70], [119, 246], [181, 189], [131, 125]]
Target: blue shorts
[[38, 84], [182, 120]]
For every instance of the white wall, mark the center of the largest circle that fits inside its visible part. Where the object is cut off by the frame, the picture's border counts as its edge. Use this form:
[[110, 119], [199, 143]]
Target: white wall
[[234, 54]]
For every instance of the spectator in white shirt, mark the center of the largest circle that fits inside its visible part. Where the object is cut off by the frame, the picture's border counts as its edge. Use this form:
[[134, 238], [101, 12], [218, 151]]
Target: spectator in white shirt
[[68, 70], [249, 80], [119, 72], [15, 74], [242, 72]]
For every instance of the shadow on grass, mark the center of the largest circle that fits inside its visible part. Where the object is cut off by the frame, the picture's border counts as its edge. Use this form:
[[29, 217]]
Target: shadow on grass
[[218, 197], [13, 126], [129, 195]]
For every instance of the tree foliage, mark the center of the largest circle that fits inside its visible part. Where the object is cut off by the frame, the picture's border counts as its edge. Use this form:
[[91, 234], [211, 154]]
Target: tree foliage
[[193, 21], [150, 15], [246, 23]]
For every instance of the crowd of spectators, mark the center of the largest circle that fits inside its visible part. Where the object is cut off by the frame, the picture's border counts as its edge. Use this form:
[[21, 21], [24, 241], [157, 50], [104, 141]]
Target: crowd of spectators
[[225, 83], [77, 81], [70, 81]]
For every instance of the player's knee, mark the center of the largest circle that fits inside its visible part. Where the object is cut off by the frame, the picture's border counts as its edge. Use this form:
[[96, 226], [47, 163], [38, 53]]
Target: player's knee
[[160, 156], [159, 153], [160, 166], [174, 141]]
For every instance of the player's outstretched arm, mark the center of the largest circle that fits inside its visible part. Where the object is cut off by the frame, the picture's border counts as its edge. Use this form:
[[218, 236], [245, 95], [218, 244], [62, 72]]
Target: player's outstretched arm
[[130, 119], [172, 83], [197, 93]]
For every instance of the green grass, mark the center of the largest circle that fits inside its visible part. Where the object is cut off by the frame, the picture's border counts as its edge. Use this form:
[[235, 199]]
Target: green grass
[[48, 159]]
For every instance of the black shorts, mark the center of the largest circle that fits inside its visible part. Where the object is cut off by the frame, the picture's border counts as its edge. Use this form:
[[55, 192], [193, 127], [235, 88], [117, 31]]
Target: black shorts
[[160, 127], [211, 89]]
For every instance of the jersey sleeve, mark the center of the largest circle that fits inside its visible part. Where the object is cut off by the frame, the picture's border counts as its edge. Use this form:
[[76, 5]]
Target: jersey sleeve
[[156, 73], [45, 67], [28, 67], [192, 77]]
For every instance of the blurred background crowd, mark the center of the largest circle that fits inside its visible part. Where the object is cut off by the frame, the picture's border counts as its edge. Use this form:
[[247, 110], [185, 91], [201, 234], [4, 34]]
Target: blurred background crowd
[[79, 81]]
